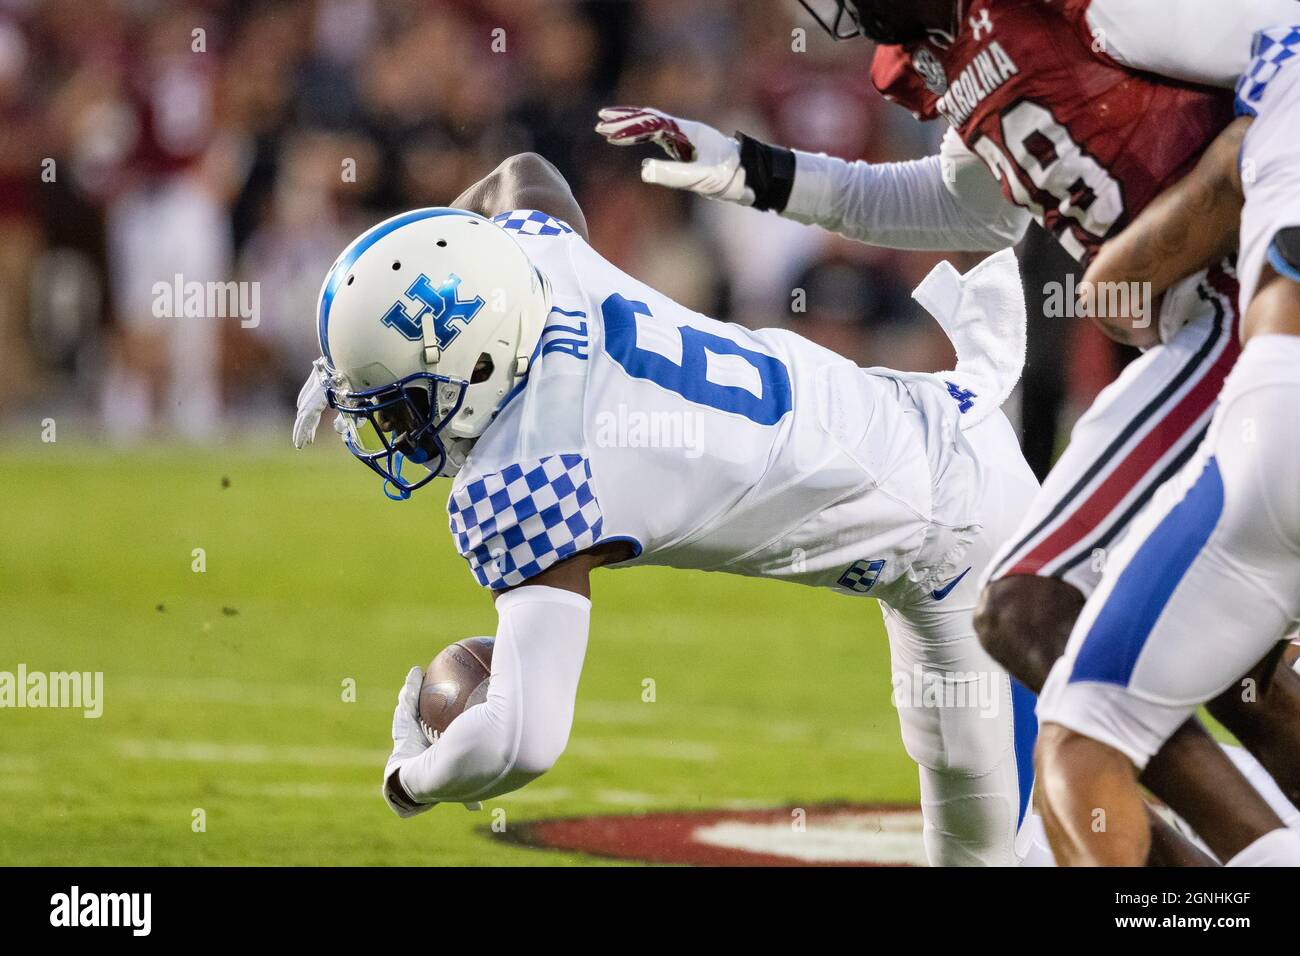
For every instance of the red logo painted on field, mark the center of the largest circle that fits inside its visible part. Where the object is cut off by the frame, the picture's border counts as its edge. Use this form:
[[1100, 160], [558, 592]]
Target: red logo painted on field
[[838, 835]]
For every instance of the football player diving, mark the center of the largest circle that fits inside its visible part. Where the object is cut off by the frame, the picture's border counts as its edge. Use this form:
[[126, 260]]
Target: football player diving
[[489, 343], [1076, 114]]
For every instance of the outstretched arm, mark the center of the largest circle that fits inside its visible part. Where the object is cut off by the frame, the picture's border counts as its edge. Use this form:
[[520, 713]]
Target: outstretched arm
[[524, 181], [946, 202], [1190, 225]]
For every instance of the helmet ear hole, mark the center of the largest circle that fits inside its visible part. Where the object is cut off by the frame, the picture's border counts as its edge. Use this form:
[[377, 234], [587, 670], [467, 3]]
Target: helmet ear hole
[[483, 369]]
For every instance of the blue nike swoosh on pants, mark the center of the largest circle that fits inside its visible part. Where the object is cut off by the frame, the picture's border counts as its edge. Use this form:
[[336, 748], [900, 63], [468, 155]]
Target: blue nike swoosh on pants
[[942, 593]]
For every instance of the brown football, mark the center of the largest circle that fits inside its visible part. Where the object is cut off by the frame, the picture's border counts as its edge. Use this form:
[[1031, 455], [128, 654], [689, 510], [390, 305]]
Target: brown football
[[456, 680]]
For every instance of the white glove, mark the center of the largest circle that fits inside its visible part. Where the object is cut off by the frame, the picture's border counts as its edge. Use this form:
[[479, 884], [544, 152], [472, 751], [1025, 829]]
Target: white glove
[[703, 161], [409, 742], [311, 404]]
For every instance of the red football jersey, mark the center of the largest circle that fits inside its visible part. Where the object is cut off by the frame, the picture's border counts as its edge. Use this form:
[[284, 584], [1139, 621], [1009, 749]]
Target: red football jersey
[[1080, 141]]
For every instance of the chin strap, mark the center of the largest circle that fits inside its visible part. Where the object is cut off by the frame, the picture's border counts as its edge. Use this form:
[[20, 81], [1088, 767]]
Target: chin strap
[[455, 451], [402, 494]]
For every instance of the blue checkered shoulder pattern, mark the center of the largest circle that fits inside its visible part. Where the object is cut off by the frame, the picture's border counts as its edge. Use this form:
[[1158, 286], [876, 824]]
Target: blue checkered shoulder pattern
[[513, 524], [529, 222], [1271, 49]]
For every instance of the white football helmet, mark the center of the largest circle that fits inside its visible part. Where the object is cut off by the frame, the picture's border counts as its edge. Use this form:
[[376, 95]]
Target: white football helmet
[[427, 322]]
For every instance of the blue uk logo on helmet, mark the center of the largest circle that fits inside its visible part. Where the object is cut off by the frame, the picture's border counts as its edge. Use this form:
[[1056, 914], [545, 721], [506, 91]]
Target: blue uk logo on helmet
[[443, 302]]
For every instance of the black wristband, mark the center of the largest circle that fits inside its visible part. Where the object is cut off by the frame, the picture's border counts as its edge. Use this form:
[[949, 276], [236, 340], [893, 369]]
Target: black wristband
[[769, 171]]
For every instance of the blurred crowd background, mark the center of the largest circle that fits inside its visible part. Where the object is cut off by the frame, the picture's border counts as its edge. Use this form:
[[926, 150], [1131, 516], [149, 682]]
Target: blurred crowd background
[[252, 139]]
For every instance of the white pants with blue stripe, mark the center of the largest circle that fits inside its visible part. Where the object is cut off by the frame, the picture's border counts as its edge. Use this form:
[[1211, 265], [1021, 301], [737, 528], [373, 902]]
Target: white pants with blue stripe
[[1207, 580], [968, 726]]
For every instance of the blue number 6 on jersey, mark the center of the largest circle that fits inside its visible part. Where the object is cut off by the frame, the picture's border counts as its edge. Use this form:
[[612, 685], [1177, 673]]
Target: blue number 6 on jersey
[[689, 379]]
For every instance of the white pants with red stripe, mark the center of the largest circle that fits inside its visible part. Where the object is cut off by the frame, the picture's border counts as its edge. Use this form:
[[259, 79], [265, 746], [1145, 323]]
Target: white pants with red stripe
[[1141, 429]]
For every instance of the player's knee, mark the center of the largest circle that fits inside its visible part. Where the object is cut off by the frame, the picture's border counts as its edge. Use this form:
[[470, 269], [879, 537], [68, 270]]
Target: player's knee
[[922, 736], [1024, 623], [1047, 749], [1053, 786], [1001, 622], [960, 758], [1052, 770], [959, 741], [1064, 759], [1088, 793]]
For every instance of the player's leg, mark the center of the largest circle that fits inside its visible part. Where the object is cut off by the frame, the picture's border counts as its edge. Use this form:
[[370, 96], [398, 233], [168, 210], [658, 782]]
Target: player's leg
[[1177, 842], [1024, 621], [1263, 709], [1207, 582], [1091, 804], [1193, 776], [1137, 433], [970, 735], [1262, 781], [964, 721], [1009, 484], [1135, 436]]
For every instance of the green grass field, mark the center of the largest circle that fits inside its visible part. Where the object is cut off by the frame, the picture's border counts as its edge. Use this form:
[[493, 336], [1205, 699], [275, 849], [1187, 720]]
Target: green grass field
[[223, 690]]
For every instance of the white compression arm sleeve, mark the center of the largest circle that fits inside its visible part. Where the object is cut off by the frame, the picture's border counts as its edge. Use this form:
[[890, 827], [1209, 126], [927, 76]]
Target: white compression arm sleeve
[[1200, 41], [946, 202], [519, 732]]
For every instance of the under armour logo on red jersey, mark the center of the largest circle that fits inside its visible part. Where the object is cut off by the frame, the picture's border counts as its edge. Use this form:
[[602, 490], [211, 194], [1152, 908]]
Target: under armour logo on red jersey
[[981, 24]]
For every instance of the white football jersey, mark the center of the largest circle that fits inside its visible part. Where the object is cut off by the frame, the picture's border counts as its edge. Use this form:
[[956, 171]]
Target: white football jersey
[[706, 445], [1269, 91]]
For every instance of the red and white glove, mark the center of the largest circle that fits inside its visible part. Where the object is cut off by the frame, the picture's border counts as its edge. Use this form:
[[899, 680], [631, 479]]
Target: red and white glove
[[703, 160]]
